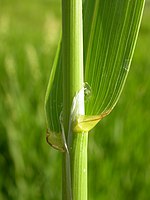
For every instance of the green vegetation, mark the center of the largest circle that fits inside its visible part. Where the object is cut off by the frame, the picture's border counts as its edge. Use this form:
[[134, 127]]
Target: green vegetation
[[118, 155]]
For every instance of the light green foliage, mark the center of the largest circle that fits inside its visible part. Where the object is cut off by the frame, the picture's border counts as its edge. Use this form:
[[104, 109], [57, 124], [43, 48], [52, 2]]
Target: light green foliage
[[119, 147], [110, 34], [110, 44]]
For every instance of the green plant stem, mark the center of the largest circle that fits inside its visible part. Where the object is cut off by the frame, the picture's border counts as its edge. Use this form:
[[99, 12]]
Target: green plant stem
[[72, 60], [79, 166]]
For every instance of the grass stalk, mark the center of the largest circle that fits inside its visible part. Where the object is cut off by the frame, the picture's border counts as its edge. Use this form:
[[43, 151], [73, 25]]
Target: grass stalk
[[72, 59]]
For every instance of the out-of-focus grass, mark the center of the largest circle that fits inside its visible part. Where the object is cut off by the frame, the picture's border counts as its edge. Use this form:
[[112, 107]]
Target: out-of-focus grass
[[29, 168], [119, 155]]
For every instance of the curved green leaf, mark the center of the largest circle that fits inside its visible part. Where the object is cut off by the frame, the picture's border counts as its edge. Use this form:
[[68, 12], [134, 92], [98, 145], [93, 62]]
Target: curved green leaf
[[53, 104], [114, 27], [110, 33]]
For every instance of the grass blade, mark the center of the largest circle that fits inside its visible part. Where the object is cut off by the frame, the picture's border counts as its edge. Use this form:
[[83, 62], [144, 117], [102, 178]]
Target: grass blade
[[110, 34]]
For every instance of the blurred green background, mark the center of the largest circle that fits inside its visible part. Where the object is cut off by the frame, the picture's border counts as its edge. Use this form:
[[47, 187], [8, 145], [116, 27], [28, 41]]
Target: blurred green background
[[119, 149]]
